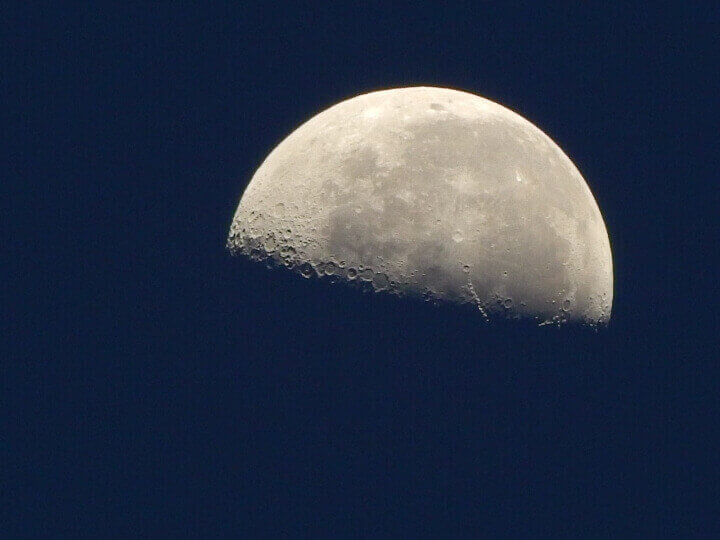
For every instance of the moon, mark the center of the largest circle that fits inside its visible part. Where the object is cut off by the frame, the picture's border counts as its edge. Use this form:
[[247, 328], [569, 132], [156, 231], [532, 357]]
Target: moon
[[437, 193]]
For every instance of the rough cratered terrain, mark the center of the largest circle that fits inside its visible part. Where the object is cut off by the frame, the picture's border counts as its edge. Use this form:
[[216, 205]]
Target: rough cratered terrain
[[433, 192]]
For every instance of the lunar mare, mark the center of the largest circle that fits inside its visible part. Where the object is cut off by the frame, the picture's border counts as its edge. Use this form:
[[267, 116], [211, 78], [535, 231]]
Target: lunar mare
[[438, 193]]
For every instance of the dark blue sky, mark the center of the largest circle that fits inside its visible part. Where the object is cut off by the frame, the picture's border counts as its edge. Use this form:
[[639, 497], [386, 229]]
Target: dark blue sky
[[154, 385]]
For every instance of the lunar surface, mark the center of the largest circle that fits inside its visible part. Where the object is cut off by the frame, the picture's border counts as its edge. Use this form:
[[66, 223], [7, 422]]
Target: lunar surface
[[436, 193]]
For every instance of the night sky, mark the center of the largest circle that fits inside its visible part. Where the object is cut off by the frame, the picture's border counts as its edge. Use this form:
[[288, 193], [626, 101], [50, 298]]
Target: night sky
[[153, 385]]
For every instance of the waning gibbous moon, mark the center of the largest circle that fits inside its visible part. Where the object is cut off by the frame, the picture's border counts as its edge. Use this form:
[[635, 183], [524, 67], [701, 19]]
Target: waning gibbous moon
[[438, 193]]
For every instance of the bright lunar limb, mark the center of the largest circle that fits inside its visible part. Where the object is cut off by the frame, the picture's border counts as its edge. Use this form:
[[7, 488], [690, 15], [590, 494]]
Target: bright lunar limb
[[433, 192]]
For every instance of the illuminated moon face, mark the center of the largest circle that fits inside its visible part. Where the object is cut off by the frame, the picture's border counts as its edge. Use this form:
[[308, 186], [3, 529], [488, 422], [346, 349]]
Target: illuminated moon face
[[433, 192]]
